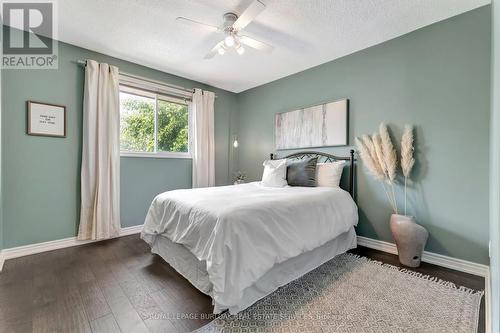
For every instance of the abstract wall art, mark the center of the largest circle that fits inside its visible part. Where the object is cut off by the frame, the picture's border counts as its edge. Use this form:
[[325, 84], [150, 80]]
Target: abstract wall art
[[322, 125]]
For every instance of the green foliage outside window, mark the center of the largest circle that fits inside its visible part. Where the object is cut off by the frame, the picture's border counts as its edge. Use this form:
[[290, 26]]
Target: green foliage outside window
[[172, 127], [137, 125]]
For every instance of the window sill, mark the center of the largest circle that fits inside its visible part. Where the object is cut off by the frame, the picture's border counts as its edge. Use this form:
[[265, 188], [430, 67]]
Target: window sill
[[156, 155]]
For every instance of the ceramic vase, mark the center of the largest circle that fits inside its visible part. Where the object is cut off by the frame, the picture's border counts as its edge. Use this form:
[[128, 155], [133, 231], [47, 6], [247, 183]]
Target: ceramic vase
[[410, 239]]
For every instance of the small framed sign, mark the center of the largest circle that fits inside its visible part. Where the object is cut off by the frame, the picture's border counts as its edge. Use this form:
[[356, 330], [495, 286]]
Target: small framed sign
[[46, 119]]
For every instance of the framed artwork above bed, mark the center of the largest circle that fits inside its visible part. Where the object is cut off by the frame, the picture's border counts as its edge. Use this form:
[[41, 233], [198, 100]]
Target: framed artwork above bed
[[323, 125]]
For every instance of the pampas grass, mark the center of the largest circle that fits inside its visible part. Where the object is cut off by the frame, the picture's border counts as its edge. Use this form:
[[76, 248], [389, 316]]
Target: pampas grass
[[371, 152], [390, 160], [407, 160], [389, 153], [370, 146], [381, 159], [372, 165], [377, 142], [379, 152]]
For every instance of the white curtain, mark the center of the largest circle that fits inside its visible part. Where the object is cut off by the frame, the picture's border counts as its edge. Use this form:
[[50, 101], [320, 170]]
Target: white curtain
[[100, 174], [203, 144]]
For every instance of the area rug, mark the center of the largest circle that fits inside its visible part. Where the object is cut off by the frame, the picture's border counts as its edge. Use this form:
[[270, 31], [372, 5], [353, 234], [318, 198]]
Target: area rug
[[355, 294]]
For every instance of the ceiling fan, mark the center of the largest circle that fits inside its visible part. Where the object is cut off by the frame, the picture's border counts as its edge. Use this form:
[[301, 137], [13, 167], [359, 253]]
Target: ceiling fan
[[232, 26]]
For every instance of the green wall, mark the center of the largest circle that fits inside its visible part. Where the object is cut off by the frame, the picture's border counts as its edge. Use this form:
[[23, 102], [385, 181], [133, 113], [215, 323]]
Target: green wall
[[436, 78], [41, 176], [495, 170]]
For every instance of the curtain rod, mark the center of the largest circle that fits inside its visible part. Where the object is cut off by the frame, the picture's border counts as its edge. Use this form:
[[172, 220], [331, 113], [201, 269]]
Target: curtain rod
[[84, 63]]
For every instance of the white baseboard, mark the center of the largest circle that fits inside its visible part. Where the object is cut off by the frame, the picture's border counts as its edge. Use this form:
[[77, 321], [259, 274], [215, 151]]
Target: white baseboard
[[136, 229], [487, 302], [26, 250], [377, 245], [429, 257]]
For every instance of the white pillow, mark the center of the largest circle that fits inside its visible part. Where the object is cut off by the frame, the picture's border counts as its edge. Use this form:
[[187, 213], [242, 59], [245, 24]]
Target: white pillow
[[329, 174], [274, 173]]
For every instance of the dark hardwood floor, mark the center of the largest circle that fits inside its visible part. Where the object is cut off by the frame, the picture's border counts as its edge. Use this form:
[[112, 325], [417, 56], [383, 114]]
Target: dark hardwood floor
[[119, 286]]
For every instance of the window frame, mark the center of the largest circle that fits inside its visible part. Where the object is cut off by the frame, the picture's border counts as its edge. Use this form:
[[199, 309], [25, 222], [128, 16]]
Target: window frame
[[157, 96]]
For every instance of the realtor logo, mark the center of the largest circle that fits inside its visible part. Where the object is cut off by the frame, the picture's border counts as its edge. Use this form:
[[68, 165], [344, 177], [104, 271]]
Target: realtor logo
[[29, 35]]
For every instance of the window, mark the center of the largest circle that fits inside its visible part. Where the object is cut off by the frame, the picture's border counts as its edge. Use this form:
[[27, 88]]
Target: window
[[152, 124]]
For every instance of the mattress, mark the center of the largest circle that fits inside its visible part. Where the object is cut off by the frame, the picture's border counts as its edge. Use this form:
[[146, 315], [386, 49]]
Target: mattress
[[194, 270]]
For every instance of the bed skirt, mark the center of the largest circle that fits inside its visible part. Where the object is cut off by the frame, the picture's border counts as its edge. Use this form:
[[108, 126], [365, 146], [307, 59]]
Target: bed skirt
[[184, 262]]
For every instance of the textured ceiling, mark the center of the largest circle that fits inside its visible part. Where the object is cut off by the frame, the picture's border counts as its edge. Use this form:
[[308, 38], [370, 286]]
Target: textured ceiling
[[305, 33]]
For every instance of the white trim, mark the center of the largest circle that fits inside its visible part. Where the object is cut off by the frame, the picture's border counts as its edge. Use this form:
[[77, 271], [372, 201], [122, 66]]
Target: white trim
[[429, 257], [487, 302], [26, 250], [377, 245], [456, 264], [157, 87], [157, 155], [136, 229]]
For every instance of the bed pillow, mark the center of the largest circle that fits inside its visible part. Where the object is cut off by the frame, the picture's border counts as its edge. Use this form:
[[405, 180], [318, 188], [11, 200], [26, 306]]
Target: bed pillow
[[329, 174], [302, 173], [274, 173]]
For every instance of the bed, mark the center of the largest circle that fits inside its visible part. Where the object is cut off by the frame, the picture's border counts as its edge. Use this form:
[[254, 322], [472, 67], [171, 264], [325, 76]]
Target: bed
[[240, 243]]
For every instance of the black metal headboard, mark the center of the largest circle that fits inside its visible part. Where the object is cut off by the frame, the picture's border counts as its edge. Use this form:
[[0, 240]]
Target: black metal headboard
[[324, 157]]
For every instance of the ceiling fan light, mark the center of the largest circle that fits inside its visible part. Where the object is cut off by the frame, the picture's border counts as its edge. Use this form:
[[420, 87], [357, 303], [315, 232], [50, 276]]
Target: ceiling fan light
[[229, 40], [240, 50], [221, 51]]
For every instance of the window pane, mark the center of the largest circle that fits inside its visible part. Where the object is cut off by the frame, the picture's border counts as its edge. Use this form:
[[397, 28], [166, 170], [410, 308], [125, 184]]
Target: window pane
[[137, 123], [172, 127]]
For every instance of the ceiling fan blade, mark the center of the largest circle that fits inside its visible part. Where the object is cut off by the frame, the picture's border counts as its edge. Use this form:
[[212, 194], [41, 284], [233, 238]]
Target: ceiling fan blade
[[256, 44], [214, 50], [249, 14], [197, 24]]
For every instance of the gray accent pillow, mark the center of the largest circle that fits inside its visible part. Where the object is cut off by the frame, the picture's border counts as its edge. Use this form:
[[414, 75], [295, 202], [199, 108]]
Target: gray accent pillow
[[302, 173]]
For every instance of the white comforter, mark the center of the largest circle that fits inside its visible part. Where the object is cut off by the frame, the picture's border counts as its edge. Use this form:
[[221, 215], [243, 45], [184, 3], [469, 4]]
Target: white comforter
[[242, 231]]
